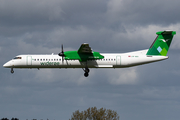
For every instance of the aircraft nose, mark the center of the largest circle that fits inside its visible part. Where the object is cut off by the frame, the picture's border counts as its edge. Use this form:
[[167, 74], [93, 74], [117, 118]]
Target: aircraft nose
[[7, 65]]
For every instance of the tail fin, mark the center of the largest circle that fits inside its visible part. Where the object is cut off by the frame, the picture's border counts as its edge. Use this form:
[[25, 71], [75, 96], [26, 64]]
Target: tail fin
[[162, 43]]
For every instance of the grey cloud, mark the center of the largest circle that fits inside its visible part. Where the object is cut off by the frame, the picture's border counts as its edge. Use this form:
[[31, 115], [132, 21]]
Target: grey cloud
[[29, 12], [144, 12], [40, 27]]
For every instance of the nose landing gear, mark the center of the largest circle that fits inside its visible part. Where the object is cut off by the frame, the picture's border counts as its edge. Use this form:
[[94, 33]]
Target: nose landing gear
[[12, 71]]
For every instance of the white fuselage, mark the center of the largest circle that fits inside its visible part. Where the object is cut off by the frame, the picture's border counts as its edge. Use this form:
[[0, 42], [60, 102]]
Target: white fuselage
[[110, 61]]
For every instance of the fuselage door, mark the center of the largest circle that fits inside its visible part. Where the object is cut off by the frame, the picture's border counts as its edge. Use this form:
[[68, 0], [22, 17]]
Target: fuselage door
[[118, 60], [29, 60]]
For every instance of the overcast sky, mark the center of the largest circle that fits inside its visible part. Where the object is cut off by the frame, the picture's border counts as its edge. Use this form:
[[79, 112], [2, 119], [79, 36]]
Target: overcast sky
[[147, 92]]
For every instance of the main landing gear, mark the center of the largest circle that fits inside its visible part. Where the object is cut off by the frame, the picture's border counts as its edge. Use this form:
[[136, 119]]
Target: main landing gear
[[12, 71], [86, 70]]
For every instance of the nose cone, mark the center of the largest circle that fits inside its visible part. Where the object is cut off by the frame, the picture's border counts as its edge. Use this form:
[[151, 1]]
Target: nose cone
[[7, 65]]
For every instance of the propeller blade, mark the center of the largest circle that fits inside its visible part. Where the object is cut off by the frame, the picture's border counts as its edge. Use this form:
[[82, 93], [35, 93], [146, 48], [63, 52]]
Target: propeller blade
[[62, 59], [62, 54], [62, 51]]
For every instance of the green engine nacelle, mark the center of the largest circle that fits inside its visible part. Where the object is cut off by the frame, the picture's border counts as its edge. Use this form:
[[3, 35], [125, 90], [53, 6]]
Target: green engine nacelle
[[74, 55]]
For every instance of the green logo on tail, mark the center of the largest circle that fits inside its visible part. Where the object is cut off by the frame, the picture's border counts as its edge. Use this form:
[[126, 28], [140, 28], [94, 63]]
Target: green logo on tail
[[162, 43]]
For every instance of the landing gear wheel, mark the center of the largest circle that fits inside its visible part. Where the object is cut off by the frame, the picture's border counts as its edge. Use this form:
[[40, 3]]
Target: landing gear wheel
[[12, 71], [86, 74], [86, 70]]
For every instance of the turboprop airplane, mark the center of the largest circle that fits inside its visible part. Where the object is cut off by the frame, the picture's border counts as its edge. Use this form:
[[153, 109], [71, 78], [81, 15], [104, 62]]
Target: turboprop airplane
[[85, 58]]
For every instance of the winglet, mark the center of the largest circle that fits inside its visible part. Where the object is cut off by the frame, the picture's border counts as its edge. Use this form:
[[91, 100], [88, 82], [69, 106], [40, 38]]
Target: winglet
[[161, 44]]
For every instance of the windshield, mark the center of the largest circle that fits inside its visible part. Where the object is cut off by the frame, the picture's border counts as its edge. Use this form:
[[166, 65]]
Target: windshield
[[18, 58]]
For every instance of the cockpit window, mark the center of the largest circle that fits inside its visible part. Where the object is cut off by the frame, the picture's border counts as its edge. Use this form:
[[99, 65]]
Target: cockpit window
[[18, 58]]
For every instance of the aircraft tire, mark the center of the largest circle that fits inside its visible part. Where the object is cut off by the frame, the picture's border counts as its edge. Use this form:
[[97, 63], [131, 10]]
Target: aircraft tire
[[12, 71], [86, 74]]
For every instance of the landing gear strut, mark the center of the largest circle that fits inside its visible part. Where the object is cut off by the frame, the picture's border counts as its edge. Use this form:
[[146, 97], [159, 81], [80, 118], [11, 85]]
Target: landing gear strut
[[86, 70], [12, 71]]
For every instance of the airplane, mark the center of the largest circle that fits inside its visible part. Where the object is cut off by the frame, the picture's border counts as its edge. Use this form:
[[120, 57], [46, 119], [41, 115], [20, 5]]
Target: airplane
[[85, 58]]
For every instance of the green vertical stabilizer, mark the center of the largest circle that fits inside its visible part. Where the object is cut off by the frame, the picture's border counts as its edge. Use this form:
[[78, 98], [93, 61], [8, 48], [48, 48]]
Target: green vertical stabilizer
[[162, 43]]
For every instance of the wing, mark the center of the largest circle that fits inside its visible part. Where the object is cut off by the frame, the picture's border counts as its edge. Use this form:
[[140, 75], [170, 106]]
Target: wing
[[84, 48], [83, 54]]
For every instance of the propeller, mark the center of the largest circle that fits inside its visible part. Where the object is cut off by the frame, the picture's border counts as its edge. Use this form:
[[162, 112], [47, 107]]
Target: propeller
[[62, 53]]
